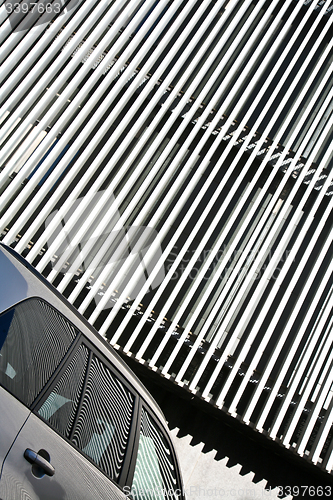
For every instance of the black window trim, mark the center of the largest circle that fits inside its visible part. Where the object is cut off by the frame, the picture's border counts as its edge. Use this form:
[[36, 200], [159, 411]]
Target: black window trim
[[86, 376], [56, 375], [131, 467]]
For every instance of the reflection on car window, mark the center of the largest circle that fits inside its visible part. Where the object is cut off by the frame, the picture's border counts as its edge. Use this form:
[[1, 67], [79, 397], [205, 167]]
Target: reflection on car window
[[104, 421], [154, 475], [61, 405], [34, 338]]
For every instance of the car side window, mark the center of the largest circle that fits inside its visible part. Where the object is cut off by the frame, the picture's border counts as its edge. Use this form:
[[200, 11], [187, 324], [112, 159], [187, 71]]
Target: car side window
[[155, 475], [61, 406], [104, 421], [34, 338]]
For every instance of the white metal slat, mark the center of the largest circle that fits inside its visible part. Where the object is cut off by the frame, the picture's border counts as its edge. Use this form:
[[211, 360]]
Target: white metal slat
[[227, 257], [52, 157], [274, 260], [33, 50], [323, 435], [160, 162], [120, 152], [328, 460], [217, 320], [38, 154], [186, 331], [63, 284], [18, 20], [276, 317], [3, 13], [292, 351], [323, 310], [31, 21], [272, 294], [315, 411], [324, 370], [197, 253], [147, 283], [204, 363], [57, 171], [57, 43], [316, 369], [54, 69]]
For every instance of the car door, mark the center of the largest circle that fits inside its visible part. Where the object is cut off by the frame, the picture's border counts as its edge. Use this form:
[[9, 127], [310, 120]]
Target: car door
[[23, 371], [75, 442], [13, 415], [74, 476], [76, 433]]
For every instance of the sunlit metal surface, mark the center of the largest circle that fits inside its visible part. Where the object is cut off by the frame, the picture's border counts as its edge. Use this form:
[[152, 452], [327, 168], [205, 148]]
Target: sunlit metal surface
[[167, 165]]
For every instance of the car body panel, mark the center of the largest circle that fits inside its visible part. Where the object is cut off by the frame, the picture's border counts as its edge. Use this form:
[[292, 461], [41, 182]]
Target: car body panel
[[75, 477], [13, 414]]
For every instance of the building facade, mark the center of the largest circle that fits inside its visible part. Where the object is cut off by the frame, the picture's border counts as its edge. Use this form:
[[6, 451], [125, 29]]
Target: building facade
[[167, 165]]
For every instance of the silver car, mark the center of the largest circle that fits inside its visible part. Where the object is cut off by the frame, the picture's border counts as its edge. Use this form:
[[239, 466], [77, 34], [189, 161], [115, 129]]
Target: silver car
[[75, 422]]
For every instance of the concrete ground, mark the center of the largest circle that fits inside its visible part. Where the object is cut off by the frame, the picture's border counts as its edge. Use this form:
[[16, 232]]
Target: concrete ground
[[206, 477]]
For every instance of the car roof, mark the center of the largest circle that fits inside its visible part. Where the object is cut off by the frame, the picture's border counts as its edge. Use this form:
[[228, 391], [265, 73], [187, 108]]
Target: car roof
[[23, 281]]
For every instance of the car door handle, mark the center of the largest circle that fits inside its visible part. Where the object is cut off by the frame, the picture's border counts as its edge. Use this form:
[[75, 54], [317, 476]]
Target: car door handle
[[40, 461]]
